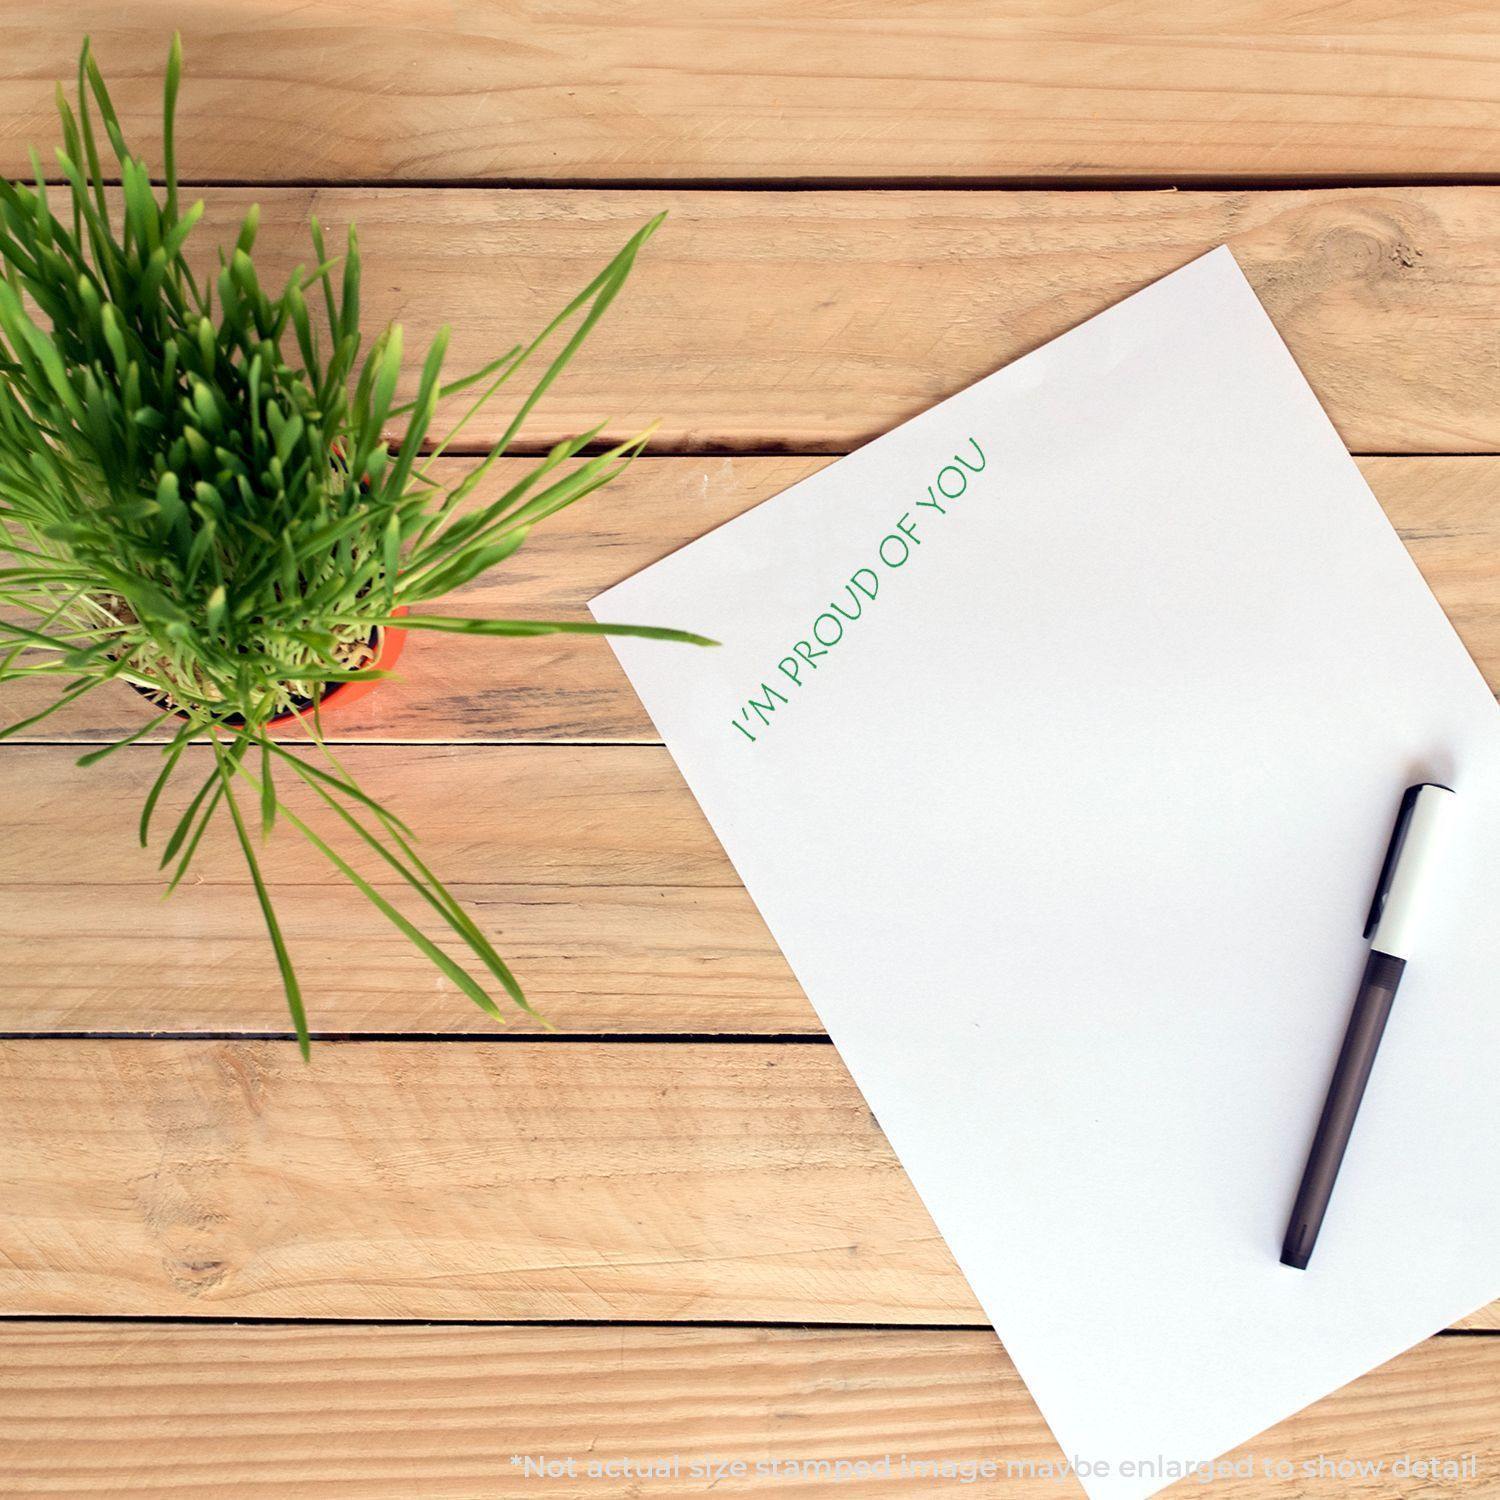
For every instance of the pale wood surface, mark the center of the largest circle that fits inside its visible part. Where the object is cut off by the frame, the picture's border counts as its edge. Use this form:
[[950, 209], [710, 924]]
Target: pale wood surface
[[572, 688], [767, 89], [652, 1181], [503, 1181], [592, 869], [392, 1413], [809, 322], [577, 1179]]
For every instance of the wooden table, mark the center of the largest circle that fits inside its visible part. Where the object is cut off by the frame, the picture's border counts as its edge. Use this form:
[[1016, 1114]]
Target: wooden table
[[672, 1227]]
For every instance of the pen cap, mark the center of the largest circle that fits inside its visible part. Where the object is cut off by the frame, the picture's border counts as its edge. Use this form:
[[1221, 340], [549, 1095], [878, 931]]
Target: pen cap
[[1410, 865]]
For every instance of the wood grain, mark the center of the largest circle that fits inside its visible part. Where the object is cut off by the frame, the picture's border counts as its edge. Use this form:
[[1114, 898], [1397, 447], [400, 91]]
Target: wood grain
[[531, 1180], [810, 322], [388, 1413], [768, 89], [591, 869], [572, 688], [422, 1180]]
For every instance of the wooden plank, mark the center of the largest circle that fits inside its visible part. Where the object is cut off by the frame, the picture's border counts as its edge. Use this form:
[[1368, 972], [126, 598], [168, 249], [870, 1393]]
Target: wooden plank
[[387, 1413], [591, 869], [955, 89], [650, 1181], [504, 1181], [572, 689], [566, 688], [810, 322]]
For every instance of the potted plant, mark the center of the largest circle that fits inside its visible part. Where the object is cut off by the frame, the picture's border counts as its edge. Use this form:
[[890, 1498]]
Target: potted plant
[[198, 496]]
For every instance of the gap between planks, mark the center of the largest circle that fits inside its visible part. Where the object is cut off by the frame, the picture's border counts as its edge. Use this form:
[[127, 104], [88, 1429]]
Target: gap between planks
[[209, 1320], [1162, 183], [471, 1038]]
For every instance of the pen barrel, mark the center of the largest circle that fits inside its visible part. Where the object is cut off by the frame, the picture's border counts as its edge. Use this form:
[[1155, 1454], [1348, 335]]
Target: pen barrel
[[1372, 1008]]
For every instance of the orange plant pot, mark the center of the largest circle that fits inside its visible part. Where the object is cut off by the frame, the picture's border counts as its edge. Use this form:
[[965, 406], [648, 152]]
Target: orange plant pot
[[343, 694]]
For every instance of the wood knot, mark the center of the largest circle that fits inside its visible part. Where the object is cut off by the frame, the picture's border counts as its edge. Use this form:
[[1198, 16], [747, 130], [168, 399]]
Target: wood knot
[[196, 1276]]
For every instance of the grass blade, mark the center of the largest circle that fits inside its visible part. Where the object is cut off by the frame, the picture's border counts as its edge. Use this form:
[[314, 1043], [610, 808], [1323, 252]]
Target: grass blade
[[226, 769], [460, 976], [456, 625]]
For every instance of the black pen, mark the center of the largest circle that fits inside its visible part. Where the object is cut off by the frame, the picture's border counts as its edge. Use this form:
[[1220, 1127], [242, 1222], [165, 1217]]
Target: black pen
[[1400, 893]]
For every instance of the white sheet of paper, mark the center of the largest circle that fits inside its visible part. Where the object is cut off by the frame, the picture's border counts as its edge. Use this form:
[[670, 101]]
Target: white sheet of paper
[[1069, 836]]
